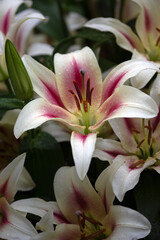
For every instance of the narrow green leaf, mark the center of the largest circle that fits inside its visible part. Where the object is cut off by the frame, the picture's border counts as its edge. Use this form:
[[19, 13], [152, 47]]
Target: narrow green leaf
[[18, 74], [10, 103]]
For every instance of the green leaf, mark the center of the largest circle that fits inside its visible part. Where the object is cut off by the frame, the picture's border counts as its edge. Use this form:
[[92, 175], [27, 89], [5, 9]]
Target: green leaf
[[10, 103], [19, 77], [55, 27], [44, 158]]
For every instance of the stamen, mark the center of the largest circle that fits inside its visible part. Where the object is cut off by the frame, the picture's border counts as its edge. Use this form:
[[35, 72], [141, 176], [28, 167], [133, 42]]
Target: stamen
[[76, 99], [140, 143], [158, 40], [77, 90], [93, 235], [149, 132], [134, 165], [85, 105], [88, 90], [90, 96]]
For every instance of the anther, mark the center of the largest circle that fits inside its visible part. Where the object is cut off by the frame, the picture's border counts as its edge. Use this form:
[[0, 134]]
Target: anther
[[134, 165], [78, 91], [140, 143], [85, 105], [76, 99]]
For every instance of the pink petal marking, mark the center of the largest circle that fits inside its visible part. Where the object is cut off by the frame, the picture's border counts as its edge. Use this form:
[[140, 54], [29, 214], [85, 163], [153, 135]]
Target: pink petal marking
[[18, 40], [147, 19], [114, 153], [106, 205], [52, 95], [76, 73], [128, 39], [3, 215], [3, 189], [129, 124], [60, 217], [5, 23], [79, 198], [113, 83]]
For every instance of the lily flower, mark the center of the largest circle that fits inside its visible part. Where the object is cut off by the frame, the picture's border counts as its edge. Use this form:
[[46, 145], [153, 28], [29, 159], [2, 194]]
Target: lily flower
[[145, 43], [76, 97], [82, 213], [12, 224], [138, 148], [15, 27]]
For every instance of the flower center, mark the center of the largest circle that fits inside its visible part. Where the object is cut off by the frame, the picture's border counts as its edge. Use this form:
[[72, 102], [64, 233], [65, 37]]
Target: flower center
[[144, 144], [83, 101], [154, 54], [90, 228]]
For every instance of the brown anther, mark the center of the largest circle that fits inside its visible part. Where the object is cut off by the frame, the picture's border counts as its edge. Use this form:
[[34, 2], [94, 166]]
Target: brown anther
[[78, 91], [134, 165], [85, 105], [140, 143], [88, 90], [92, 220], [149, 132], [90, 96], [76, 99]]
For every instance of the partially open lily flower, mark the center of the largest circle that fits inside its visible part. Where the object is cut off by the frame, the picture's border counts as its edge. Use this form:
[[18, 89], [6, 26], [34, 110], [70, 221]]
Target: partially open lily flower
[[82, 213], [146, 43], [15, 27], [76, 97], [138, 148], [12, 224]]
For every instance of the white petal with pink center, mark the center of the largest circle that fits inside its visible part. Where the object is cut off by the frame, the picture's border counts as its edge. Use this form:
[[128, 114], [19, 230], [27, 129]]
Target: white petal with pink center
[[82, 149], [10, 176], [12, 224], [125, 37], [76, 98], [127, 175]]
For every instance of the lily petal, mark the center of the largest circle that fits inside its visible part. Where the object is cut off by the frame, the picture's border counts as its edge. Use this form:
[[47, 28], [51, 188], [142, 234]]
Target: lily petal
[[147, 22], [125, 37], [62, 232], [123, 72], [25, 21], [39, 111], [129, 224], [35, 206], [43, 80], [46, 222], [82, 149], [13, 225], [25, 182], [76, 196], [125, 129], [9, 177], [127, 176], [108, 149], [126, 102], [104, 184], [68, 68], [142, 78], [8, 9]]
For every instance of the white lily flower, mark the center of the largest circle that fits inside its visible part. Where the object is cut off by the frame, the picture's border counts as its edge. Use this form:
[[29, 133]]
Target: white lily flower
[[15, 27], [76, 97], [82, 213], [147, 40]]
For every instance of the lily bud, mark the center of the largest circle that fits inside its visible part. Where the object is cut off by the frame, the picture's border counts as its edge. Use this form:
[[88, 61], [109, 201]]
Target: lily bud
[[18, 75]]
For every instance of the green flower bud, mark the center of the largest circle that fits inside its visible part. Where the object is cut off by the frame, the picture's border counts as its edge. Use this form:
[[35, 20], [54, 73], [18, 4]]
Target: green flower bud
[[18, 75]]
